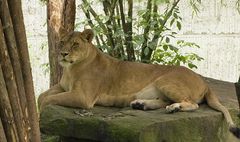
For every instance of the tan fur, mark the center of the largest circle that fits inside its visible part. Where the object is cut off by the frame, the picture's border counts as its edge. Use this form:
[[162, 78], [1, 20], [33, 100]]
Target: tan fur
[[92, 78]]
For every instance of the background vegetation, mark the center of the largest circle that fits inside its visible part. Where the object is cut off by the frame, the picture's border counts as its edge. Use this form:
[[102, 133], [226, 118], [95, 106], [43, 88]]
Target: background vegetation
[[139, 31]]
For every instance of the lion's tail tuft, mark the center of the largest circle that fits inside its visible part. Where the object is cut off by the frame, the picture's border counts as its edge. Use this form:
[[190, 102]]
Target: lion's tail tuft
[[214, 103], [235, 130]]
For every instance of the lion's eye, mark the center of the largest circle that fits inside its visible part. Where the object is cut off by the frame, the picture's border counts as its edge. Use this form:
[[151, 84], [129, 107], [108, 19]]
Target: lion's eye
[[61, 43], [75, 45]]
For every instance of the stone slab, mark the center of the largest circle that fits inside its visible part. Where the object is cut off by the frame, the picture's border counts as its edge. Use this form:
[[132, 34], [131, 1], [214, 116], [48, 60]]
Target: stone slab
[[108, 124]]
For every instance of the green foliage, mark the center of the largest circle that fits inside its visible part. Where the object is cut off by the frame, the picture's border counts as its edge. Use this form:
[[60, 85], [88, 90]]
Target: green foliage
[[238, 6], [43, 1], [142, 34], [44, 66], [172, 55], [195, 4]]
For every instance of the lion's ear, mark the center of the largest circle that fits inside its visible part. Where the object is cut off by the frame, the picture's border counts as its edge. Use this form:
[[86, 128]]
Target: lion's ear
[[88, 34]]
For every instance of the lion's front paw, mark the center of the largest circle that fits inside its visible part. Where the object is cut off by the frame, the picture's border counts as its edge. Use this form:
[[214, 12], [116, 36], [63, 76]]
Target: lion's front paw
[[173, 108], [43, 104], [138, 104]]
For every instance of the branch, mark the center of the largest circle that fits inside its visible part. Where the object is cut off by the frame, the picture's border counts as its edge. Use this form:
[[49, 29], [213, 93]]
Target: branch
[[87, 14], [95, 15]]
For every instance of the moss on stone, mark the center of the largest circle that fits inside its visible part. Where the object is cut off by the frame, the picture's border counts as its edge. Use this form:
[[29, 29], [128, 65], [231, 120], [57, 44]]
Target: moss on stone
[[127, 125]]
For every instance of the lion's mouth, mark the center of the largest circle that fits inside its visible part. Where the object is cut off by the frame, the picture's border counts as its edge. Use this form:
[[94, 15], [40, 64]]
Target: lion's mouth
[[65, 61]]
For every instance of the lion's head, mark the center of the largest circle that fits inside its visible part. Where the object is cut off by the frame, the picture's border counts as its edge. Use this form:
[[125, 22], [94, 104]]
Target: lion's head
[[75, 47]]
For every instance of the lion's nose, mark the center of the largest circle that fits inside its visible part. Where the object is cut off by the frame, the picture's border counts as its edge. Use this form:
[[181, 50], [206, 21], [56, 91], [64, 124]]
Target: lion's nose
[[64, 54]]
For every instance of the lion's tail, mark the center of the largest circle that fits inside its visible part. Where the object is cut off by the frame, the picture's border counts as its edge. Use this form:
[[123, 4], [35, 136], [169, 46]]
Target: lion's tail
[[214, 103]]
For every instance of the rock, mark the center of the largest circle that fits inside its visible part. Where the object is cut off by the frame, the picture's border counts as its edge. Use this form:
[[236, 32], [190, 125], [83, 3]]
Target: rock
[[106, 124]]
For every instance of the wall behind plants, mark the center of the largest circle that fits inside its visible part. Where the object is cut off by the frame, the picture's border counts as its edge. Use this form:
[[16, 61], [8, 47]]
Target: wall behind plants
[[216, 29], [35, 22]]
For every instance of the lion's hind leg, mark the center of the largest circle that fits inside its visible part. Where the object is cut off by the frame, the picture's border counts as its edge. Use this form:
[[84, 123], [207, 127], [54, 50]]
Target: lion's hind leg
[[149, 98], [183, 106], [142, 104], [179, 94]]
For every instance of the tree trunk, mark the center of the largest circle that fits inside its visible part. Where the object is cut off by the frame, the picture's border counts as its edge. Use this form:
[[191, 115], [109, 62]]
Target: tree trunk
[[60, 21], [17, 100], [13, 53], [21, 41], [6, 111], [11, 85], [2, 133]]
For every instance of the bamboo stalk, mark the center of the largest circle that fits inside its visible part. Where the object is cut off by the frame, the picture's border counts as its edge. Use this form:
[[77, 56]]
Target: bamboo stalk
[[95, 16], [2, 133], [120, 26], [87, 14], [105, 29], [99, 38], [10, 120], [118, 14], [127, 29], [118, 40], [21, 40], [109, 29], [130, 49], [122, 15], [146, 29], [158, 31]]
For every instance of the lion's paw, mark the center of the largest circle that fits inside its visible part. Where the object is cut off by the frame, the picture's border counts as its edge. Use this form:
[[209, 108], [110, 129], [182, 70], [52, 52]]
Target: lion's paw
[[173, 108], [138, 104]]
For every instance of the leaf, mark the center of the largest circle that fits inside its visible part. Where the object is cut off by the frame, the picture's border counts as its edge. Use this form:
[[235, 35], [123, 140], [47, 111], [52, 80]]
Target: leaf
[[197, 46], [173, 48], [172, 21], [175, 15], [180, 18], [179, 26], [180, 41], [191, 65], [161, 21], [146, 51], [178, 63], [161, 1], [167, 39], [109, 26], [165, 47], [129, 20], [140, 13]]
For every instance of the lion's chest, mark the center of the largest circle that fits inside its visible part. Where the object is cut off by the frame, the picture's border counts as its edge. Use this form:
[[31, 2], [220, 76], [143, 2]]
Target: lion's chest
[[66, 82]]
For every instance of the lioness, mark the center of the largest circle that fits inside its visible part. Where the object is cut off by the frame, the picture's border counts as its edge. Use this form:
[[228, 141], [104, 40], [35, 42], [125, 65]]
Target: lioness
[[92, 78]]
